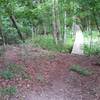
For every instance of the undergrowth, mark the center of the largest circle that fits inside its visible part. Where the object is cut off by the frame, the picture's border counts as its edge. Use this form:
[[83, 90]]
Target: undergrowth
[[8, 90], [47, 42], [14, 70], [93, 50], [1, 51], [7, 74], [18, 70], [80, 70]]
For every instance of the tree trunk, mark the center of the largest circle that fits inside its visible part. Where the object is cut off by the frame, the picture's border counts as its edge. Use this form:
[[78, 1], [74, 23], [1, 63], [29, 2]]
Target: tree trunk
[[65, 27], [15, 25], [1, 34], [88, 25], [94, 15], [32, 31], [4, 45], [56, 21], [44, 29], [38, 30]]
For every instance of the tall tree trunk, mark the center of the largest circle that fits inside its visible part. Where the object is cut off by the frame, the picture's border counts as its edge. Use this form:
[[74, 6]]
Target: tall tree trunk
[[1, 34], [5, 62], [88, 25], [56, 21], [91, 42], [44, 29], [15, 25], [38, 30], [32, 29], [65, 27], [94, 15]]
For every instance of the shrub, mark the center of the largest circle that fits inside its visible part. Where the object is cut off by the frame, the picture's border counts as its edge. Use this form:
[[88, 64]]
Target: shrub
[[8, 90], [94, 50], [47, 42], [1, 51], [18, 70], [40, 77], [14, 70], [80, 70], [7, 74]]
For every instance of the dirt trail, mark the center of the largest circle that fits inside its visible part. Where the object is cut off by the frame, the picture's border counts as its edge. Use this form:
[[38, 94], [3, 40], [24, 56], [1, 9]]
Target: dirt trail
[[51, 78]]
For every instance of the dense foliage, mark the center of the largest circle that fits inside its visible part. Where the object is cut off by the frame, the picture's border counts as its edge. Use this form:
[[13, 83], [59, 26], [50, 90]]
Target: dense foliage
[[23, 19]]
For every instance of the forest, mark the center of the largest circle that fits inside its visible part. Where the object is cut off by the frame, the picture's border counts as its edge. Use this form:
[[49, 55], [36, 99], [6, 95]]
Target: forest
[[49, 50]]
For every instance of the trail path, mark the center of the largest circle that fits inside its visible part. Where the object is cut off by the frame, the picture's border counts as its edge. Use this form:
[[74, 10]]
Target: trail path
[[51, 76]]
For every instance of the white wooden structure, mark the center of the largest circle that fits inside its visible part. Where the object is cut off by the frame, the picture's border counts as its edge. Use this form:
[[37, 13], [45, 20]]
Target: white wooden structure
[[79, 40]]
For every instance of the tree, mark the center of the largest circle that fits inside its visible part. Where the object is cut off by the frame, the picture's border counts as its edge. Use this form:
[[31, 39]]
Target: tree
[[56, 21]]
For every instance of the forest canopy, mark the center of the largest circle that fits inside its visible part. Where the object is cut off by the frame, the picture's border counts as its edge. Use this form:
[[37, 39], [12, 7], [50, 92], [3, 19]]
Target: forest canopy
[[24, 19]]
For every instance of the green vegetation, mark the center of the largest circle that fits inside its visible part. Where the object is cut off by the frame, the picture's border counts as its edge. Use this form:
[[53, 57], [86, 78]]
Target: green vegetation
[[8, 91], [1, 51], [53, 25], [14, 70], [39, 77], [18, 70], [6, 74], [47, 42], [81, 70], [24, 20], [93, 50], [92, 43]]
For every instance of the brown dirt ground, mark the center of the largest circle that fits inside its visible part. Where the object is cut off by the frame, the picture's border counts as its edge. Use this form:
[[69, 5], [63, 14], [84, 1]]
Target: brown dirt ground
[[51, 78]]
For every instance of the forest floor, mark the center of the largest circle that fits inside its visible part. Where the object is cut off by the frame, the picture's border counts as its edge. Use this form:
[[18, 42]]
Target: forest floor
[[49, 75]]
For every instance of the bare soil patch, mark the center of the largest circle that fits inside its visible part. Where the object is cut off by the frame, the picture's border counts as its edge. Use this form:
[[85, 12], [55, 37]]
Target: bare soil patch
[[49, 75]]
